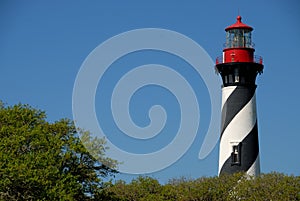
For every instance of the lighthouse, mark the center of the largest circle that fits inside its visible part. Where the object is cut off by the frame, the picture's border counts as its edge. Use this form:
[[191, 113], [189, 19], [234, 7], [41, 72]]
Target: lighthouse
[[238, 67]]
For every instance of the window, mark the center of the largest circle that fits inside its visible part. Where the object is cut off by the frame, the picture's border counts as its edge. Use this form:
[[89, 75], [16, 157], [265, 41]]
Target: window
[[230, 78], [238, 38], [247, 38], [243, 80], [236, 155], [236, 78], [225, 79]]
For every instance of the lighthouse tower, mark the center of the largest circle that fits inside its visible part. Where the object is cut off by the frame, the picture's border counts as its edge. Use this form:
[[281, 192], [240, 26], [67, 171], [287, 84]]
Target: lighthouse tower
[[238, 67]]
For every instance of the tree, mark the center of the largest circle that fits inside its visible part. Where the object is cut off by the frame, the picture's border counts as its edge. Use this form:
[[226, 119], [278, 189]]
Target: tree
[[272, 186], [139, 189], [40, 160]]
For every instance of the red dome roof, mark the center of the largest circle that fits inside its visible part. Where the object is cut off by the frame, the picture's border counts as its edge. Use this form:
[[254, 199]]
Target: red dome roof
[[239, 25]]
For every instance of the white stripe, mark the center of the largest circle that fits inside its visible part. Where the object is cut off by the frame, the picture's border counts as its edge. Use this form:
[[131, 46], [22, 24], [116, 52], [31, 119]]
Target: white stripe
[[226, 92], [254, 170], [237, 130]]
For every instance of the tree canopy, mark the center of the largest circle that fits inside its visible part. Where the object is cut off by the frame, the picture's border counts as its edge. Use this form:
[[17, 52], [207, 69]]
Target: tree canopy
[[266, 187], [47, 161]]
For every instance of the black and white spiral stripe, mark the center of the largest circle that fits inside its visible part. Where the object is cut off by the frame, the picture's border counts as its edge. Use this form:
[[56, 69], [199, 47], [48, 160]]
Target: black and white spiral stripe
[[239, 127]]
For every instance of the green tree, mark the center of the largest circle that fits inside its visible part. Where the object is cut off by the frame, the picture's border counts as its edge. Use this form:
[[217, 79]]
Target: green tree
[[272, 186], [40, 160], [139, 189]]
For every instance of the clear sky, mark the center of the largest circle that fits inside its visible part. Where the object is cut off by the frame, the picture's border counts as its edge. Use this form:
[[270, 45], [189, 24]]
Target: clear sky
[[44, 43]]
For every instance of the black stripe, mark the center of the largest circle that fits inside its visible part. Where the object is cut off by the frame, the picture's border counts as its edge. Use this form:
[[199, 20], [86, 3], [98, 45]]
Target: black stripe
[[249, 152], [235, 102]]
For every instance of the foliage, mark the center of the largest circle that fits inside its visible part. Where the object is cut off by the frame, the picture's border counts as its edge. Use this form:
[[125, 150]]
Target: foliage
[[47, 161], [272, 186], [142, 188]]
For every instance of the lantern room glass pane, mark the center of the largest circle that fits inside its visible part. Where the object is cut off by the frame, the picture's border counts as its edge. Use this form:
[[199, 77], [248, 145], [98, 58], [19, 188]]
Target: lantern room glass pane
[[236, 38]]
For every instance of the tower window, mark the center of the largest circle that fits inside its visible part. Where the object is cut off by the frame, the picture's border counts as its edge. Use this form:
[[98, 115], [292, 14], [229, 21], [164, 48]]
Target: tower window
[[236, 78], [238, 38], [243, 80], [230, 78], [236, 155]]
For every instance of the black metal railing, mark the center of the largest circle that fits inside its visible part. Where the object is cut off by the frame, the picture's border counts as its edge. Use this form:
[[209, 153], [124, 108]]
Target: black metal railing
[[258, 59]]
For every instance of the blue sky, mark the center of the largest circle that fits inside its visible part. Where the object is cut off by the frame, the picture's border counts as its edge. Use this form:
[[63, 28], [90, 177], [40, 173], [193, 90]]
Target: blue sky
[[44, 43]]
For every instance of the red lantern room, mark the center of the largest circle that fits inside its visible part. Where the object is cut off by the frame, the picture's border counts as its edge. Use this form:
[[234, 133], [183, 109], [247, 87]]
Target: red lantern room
[[238, 46], [238, 58]]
